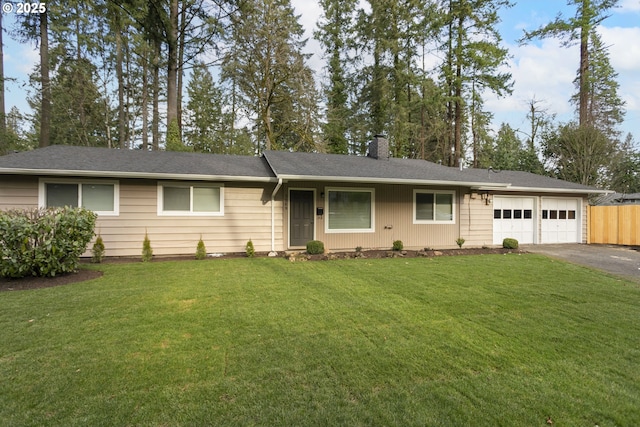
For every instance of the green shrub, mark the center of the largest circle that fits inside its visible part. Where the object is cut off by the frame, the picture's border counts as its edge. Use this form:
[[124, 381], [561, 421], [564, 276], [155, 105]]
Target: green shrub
[[44, 242], [249, 249], [510, 243], [147, 252], [201, 250], [97, 250], [315, 247], [398, 245], [460, 241]]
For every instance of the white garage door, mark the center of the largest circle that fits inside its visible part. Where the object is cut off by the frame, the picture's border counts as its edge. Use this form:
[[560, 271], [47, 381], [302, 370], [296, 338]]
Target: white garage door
[[513, 217], [560, 221]]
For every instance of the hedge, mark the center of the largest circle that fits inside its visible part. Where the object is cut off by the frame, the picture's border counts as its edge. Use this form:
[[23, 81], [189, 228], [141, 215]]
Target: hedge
[[43, 242]]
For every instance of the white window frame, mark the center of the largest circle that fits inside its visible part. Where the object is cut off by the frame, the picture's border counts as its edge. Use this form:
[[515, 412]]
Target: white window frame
[[190, 186], [434, 192], [42, 192], [350, 230]]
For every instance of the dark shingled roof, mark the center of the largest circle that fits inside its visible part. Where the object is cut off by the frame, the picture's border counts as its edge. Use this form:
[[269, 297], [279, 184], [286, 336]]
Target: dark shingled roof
[[315, 166], [114, 163], [526, 180], [87, 161], [330, 166]]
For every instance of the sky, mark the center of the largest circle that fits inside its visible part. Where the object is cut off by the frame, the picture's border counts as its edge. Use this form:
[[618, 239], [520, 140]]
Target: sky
[[542, 70]]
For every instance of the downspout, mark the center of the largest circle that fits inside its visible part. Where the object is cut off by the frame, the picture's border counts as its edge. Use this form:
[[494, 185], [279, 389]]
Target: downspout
[[273, 219]]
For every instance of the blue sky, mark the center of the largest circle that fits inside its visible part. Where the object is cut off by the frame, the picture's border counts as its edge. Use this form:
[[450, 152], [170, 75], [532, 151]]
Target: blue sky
[[542, 69]]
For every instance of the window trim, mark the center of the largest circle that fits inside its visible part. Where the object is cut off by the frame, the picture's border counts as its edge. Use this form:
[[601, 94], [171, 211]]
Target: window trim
[[327, 211], [190, 186], [434, 192], [42, 192]]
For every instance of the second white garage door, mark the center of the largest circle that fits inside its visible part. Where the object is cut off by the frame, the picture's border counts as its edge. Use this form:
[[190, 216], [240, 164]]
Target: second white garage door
[[513, 217], [560, 221]]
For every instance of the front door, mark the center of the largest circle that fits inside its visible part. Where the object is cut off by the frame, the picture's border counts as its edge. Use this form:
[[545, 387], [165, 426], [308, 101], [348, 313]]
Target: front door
[[301, 217]]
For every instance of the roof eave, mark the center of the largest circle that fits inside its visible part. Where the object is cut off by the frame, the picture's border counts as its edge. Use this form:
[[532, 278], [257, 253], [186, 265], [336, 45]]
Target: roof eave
[[135, 175], [372, 180], [546, 190]]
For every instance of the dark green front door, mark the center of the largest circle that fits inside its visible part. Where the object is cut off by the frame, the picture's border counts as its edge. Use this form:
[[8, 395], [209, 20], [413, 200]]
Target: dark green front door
[[301, 217]]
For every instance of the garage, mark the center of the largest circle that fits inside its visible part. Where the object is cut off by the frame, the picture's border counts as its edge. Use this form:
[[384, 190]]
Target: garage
[[513, 217], [560, 220]]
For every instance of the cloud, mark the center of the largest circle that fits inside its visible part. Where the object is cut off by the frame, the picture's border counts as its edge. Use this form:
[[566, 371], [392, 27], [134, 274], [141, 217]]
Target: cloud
[[545, 73], [630, 6], [624, 46]]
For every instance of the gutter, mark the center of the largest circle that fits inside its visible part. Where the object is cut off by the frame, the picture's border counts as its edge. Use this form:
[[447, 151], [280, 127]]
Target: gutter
[[369, 180], [543, 190], [273, 219], [134, 175]]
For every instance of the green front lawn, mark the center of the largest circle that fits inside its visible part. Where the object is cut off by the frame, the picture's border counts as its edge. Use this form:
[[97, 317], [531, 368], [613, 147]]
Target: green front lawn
[[476, 340]]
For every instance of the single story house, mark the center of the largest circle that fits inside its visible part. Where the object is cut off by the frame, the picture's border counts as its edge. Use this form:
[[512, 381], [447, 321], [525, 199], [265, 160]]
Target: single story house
[[281, 200], [618, 199]]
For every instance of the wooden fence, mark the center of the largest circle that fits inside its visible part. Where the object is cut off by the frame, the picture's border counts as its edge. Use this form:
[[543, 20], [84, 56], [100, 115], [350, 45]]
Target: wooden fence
[[615, 225]]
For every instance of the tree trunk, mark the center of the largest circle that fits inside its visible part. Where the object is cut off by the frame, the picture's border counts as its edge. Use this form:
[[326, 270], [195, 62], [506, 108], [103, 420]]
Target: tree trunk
[[180, 65], [584, 64], [120, 77], [145, 99], [458, 97], [45, 106], [3, 111], [155, 120], [172, 63]]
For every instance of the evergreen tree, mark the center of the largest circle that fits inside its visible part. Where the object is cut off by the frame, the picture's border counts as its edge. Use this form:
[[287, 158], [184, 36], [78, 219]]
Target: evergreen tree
[[589, 14], [333, 32], [204, 130], [625, 169], [274, 83], [605, 108], [473, 59]]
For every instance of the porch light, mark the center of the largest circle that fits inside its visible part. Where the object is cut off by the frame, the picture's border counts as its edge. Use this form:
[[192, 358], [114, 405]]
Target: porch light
[[486, 197]]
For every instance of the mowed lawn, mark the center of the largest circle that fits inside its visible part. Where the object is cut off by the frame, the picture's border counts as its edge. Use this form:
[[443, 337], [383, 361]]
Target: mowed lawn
[[491, 340]]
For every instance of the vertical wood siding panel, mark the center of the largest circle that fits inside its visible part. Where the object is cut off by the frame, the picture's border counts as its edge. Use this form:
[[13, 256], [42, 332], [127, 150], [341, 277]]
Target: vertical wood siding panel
[[617, 225]]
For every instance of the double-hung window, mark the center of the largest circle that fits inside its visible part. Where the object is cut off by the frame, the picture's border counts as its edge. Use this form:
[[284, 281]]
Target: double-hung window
[[187, 199], [349, 210], [433, 207], [100, 197]]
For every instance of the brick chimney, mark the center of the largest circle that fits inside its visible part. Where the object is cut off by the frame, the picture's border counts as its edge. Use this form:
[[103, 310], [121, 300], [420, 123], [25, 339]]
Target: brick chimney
[[379, 148]]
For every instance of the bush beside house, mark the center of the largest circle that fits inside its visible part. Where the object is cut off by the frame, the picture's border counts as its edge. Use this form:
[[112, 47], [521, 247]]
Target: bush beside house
[[43, 242]]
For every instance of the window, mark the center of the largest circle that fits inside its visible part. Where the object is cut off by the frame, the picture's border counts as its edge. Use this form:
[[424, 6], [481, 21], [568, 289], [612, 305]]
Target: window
[[433, 207], [349, 210], [185, 199], [101, 197], [572, 215], [497, 214], [528, 214], [517, 214], [506, 213]]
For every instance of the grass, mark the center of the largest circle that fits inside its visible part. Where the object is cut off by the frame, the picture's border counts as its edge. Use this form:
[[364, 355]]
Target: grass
[[475, 340]]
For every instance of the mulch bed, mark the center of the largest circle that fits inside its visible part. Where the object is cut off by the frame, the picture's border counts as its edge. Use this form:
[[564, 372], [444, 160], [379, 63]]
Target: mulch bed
[[31, 282], [82, 275]]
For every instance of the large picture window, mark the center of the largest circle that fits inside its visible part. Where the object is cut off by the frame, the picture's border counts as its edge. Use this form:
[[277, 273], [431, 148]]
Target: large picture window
[[433, 207], [100, 197], [179, 199], [349, 210]]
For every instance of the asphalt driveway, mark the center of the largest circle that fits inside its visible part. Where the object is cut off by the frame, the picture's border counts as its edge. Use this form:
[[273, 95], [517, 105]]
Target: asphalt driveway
[[619, 260]]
